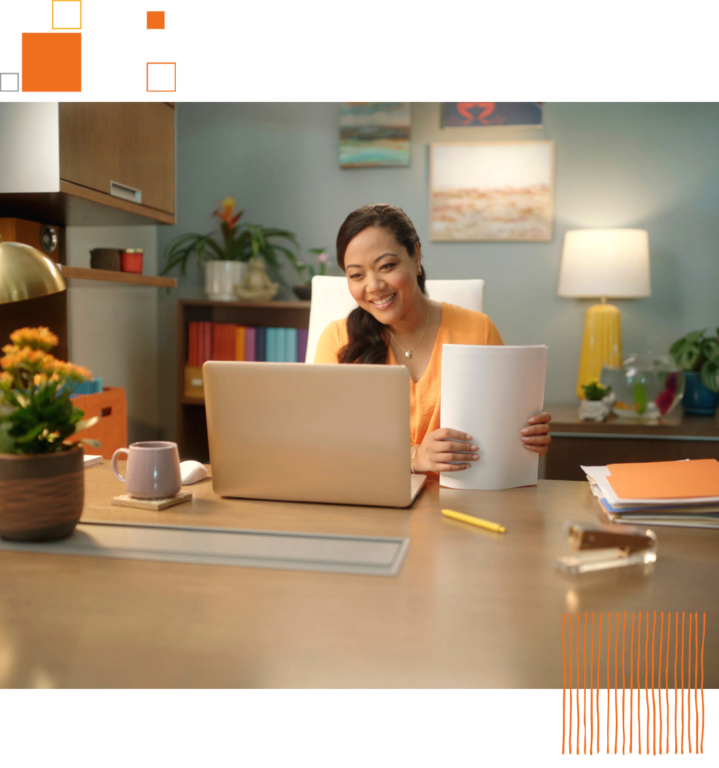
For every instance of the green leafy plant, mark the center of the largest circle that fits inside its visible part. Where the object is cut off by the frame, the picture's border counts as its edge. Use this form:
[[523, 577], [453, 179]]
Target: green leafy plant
[[236, 242], [322, 259], [695, 352], [36, 413], [595, 391]]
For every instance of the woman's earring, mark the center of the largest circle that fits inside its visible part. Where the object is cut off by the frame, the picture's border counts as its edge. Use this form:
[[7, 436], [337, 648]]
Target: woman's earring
[[420, 270]]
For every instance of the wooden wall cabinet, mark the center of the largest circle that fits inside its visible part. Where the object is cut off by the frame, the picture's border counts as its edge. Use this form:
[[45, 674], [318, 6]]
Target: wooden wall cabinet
[[191, 420], [115, 148], [88, 163]]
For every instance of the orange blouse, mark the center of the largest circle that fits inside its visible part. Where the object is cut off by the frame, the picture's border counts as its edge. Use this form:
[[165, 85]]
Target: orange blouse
[[458, 326]]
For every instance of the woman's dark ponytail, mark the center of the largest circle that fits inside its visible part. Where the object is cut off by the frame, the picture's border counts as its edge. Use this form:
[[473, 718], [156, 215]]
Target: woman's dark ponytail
[[368, 342]]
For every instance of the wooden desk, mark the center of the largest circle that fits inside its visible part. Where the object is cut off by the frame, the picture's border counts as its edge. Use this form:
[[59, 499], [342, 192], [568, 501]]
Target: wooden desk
[[615, 440], [469, 609]]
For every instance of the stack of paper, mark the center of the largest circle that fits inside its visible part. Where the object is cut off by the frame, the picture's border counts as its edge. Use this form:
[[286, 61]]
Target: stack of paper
[[676, 493], [489, 392]]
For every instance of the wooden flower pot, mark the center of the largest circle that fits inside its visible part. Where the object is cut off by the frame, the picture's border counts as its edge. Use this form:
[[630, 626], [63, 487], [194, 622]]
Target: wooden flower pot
[[41, 496]]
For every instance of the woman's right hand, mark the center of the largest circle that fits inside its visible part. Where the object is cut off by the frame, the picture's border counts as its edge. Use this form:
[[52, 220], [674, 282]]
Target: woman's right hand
[[442, 446]]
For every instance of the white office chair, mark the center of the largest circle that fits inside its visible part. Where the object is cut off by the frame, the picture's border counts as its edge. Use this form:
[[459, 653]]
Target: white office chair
[[331, 300]]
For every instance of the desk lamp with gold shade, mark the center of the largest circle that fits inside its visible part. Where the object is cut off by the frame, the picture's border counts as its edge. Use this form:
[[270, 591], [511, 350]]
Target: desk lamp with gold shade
[[603, 263], [33, 292]]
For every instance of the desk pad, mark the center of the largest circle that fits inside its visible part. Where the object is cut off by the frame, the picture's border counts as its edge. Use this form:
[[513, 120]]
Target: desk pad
[[227, 546]]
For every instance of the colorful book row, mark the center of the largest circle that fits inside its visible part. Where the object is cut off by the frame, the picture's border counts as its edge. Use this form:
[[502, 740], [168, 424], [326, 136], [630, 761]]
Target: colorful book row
[[228, 341]]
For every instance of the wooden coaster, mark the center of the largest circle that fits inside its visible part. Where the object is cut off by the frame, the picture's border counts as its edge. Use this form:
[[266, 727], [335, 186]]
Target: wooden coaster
[[130, 501]]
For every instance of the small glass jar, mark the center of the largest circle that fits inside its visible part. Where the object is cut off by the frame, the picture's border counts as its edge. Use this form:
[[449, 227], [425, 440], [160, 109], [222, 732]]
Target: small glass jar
[[131, 260], [647, 386]]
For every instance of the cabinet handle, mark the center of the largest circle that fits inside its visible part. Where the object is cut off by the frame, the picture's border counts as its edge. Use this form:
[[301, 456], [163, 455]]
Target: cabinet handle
[[126, 193]]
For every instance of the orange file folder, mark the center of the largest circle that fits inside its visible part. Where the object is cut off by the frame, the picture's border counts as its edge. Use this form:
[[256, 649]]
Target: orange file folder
[[665, 479]]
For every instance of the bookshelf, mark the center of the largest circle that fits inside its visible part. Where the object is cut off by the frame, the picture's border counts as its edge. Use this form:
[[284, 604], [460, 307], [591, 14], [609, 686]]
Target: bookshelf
[[191, 421]]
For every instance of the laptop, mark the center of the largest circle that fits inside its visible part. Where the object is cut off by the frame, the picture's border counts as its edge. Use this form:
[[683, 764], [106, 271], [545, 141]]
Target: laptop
[[337, 434]]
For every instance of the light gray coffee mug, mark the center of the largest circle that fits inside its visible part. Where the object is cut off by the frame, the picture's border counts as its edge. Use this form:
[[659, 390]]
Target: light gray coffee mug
[[153, 469]]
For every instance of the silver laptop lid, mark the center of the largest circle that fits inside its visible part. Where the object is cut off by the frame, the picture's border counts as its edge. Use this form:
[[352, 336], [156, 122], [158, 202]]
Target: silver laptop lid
[[316, 433]]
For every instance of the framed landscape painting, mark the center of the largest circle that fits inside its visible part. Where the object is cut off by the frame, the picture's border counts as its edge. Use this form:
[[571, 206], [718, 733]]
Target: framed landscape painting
[[491, 191], [374, 134]]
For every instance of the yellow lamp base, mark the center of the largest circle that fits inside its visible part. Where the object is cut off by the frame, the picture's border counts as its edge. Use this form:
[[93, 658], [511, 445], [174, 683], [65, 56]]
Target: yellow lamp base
[[602, 343]]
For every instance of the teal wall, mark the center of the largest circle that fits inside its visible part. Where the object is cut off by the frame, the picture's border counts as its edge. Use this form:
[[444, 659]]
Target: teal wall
[[649, 166]]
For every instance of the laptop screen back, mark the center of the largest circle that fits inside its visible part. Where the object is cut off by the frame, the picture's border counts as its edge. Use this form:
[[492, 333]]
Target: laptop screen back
[[317, 433]]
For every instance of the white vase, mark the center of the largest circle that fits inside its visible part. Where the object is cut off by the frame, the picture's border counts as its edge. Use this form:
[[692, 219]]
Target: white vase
[[221, 277], [596, 410]]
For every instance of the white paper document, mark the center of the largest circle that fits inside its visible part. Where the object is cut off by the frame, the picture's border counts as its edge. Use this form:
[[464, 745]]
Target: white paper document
[[490, 392]]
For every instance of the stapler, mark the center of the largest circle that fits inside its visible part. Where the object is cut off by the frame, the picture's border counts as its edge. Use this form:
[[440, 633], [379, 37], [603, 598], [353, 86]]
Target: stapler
[[599, 547]]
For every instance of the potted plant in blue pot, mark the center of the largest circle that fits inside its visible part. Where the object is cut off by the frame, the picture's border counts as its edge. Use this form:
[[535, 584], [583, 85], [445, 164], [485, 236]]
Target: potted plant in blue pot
[[698, 356]]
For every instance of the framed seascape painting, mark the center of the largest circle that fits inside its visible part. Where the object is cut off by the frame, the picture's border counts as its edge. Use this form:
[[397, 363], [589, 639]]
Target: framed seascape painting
[[374, 134], [491, 191]]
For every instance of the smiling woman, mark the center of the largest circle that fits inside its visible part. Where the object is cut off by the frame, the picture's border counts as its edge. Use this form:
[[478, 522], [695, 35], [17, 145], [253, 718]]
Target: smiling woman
[[396, 323]]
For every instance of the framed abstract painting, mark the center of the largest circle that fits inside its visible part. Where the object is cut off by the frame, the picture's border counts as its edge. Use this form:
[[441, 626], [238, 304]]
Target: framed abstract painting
[[374, 134], [484, 191], [515, 114]]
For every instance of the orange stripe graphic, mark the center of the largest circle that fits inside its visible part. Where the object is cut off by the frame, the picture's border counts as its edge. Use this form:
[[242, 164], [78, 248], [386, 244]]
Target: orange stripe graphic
[[704, 626], [656, 663], [696, 659], [591, 694], [591, 665], [639, 649], [624, 627], [676, 646], [654, 626], [682, 750], [659, 682], [616, 645], [584, 710], [666, 676], [609, 650], [564, 662], [646, 654], [569, 740], [577, 682], [599, 663], [689, 655], [631, 685]]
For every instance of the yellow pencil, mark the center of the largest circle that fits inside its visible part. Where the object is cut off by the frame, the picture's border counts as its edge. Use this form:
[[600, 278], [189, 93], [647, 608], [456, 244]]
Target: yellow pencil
[[496, 527]]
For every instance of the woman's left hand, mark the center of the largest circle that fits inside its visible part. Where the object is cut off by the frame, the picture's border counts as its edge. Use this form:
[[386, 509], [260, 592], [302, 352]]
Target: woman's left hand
[[536, 436]]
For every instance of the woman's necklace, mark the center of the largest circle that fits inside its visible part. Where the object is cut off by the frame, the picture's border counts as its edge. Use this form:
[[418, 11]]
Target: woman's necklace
[[408, 352]]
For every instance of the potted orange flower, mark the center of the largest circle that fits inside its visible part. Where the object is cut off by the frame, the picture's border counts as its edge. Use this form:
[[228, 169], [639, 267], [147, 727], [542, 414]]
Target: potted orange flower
[[41, 470], [226, 257]]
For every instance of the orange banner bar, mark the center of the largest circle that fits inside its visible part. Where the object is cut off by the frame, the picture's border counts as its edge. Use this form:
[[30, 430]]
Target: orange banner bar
[[431, 20], [434, 76]]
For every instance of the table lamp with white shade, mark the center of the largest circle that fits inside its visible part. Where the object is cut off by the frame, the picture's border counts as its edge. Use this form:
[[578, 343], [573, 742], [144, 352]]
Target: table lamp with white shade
[[603, 263]]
